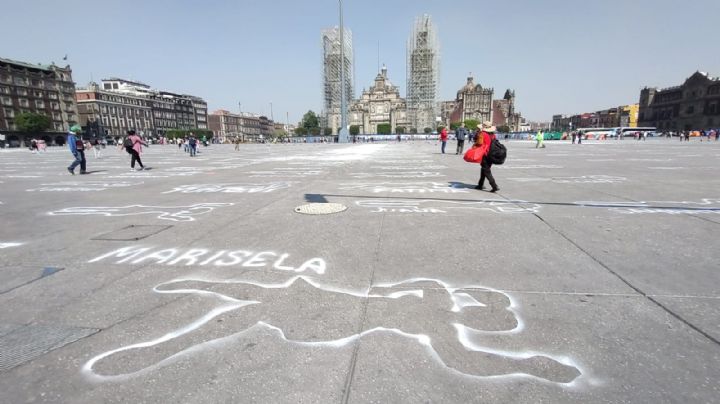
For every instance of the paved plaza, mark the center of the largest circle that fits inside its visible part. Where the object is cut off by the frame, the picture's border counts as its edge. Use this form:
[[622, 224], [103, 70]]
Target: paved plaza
[[593, 275]]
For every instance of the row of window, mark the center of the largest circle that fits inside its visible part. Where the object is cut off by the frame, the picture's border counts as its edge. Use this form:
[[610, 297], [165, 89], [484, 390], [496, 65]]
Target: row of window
[[122, 100]]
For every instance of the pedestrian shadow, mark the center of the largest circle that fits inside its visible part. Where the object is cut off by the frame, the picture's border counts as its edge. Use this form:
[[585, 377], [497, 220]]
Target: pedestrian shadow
[[456, 184], [95, 171]]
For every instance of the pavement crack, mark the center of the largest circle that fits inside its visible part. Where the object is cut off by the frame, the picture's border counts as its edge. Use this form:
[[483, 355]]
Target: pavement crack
[[353, 360]]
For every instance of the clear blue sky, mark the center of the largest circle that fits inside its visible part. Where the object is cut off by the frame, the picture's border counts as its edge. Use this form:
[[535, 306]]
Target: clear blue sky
[[561, 56]]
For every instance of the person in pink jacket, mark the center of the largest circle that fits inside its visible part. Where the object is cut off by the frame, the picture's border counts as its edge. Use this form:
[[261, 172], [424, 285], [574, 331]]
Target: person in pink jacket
[[133, 145]]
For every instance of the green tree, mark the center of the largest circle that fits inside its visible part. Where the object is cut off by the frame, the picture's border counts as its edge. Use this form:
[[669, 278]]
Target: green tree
[[327, 131], [354, 130], [454, 125], [503, 129], [400, 130], [315, 131], [384, 129], [471, 124], [32, 122], [301, 131], [427, 130], [439, 128], [279, 133], [413, 130], [310, 120]]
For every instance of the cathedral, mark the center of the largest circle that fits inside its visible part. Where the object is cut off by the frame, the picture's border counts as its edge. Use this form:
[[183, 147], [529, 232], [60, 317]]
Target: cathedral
[[380, 104]]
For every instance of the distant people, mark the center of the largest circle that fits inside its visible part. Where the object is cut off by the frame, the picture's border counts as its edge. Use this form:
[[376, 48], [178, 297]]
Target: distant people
[[133, 146], [42, 146], [33, 146], [237, 143], [574, 136], [96, 148], [687, 135], [443, 139], [580, 135], [483, 139], [204, 141], [540, 140], [77, 149], [460, 135]]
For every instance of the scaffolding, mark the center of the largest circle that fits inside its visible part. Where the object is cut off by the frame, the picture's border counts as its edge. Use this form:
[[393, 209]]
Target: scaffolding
[[423, 73], [332, 66]]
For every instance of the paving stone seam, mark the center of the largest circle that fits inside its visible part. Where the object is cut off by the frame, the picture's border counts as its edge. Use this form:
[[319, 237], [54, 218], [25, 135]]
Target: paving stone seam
[[628, 283], [353, 360]]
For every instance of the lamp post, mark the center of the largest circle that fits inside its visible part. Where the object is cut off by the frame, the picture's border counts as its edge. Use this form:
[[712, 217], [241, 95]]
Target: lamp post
[[343, 134]]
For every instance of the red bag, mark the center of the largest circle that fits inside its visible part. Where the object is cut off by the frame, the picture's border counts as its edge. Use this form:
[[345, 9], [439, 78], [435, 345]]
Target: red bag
[[474, 155]]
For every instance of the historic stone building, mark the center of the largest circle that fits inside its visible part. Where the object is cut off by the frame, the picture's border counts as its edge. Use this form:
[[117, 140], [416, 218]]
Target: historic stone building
[[44, 89], [503, 112], [380, 104], [472, 102], [693, 105], [118, 105]]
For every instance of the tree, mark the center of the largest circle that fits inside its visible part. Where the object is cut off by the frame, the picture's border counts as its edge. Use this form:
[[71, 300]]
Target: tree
[[503, 129], [413, 130], [400, 130], [471, 124], [310, 120], [280, 133], [315, 131], [32, 122], [180, 133], [384, 129], [301, 131], [327, 131], [354, 130], [454, 125], [440, 128], [427, 130]]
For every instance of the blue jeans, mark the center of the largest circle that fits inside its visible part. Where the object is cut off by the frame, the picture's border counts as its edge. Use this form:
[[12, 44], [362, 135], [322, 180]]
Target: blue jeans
[[79, 160], [442, 147], [192, 150]]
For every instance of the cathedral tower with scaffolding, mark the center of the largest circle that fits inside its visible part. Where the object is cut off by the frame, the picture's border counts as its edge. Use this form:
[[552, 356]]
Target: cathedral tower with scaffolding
[[334, 57], [423, 73]]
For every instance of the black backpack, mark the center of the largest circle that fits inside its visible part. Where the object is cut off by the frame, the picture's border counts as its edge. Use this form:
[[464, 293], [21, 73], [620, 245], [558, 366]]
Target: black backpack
[[497, 153], [128, 142]]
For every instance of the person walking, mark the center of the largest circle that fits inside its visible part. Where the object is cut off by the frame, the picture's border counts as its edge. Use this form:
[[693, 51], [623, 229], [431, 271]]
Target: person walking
[[192, 144], [579, 137], [77, 149], [443, 139], [460, 135], [96, 147], [133, 145], [483, 139], [539, 140]]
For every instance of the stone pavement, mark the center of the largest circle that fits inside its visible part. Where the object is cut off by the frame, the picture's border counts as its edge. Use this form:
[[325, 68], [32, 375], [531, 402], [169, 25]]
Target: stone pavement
[[592, 276]]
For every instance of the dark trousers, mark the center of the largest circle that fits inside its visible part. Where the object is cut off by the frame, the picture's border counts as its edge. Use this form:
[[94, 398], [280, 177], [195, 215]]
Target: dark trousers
[[79, 161], [135, 156], [460, 146], [485, 172], [442, 146]]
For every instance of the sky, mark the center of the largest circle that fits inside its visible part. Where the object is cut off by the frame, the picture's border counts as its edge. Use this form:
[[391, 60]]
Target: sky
[[560, 56]]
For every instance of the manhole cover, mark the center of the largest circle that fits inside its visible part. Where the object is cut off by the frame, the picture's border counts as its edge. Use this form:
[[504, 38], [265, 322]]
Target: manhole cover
[[28, 342], [320, 208]]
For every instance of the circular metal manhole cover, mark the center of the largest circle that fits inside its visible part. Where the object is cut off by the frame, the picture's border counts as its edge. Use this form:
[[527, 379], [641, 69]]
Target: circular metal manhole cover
[[320, 208]]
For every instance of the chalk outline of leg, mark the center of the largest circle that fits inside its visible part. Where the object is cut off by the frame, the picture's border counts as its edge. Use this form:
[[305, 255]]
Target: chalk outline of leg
[[184, 215], [460, 301]]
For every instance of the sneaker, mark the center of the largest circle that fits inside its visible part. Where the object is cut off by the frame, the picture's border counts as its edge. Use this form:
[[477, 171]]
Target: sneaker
[[71, 171], [132, 169], [141, 168], [83, 172], [479, 187], [494, 190]]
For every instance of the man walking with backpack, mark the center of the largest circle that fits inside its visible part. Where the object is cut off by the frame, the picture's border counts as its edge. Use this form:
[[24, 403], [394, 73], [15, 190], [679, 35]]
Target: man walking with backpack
[[484, 140], [460, 135], [77, 148], [192, 143]]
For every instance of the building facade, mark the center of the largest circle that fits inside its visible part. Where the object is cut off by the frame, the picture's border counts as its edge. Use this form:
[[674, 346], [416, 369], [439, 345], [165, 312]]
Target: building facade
[[118, 105], [622, 116], [472, 102], [228, 126], [335, 58], [504, 114], [109, 113], [45, 89], [693, 105], [380, 104]]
